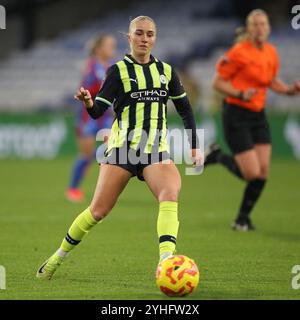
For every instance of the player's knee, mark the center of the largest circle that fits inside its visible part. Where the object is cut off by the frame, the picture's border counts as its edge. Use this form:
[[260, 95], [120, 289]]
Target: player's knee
[[169, 194], [264, 171], [87, 154], [99, 212], [251, 174]]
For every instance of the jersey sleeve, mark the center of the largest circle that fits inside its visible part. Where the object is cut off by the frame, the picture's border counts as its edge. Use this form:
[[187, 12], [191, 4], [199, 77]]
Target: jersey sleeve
[[176, 89], [229, 64], [183, 107], [107, 93]]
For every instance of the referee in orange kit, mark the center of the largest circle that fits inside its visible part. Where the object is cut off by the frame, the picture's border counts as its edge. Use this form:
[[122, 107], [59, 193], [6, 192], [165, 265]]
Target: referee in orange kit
[[244, 75]]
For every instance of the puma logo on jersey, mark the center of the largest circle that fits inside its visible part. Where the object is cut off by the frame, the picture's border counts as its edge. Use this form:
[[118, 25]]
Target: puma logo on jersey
[[134, 80]]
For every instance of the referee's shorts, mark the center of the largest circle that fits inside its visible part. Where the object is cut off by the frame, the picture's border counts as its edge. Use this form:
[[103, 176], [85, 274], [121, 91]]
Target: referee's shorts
[[244, 128]]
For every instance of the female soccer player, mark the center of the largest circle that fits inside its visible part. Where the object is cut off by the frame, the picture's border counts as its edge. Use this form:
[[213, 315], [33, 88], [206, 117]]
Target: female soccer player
[[244, 75], [138, 87], [102, 51]]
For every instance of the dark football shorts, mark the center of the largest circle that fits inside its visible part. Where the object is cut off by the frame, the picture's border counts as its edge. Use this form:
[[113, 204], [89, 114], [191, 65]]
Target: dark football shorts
[[244, 128], [133, 161]]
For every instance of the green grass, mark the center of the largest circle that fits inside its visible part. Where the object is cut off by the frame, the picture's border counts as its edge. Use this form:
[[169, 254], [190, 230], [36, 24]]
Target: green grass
[[117, 260]]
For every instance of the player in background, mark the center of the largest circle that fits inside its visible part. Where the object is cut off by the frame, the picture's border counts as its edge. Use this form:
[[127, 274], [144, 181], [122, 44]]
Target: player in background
[[244, 75], [102, 52], [138, 87]]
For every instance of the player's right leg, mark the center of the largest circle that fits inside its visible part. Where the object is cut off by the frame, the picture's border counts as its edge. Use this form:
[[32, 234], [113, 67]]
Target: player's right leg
[[216, 155], [111, 182], [86, 145]]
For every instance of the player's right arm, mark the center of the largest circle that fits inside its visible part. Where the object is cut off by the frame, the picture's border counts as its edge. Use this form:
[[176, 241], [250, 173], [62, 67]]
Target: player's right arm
[[84, 95], [225, 87], [104, 98], [227, 67]]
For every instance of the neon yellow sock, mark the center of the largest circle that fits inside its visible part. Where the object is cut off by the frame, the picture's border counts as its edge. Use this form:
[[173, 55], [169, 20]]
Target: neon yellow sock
[[79, 228], [167, 226]]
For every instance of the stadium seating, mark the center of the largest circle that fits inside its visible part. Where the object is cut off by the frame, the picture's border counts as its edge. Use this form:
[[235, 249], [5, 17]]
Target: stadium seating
[[47, 75]]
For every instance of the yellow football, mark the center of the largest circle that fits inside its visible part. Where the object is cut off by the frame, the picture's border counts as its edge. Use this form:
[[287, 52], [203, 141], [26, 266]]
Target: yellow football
[[177, 276]]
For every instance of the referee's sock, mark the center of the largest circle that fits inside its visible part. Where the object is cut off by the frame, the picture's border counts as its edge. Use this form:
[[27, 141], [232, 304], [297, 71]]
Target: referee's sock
[[216, 155], [167, 227], [79, 228], [252, 192], [229, 162]]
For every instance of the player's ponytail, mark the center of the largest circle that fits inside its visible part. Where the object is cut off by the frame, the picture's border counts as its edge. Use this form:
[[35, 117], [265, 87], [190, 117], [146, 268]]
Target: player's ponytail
[[241, 34]]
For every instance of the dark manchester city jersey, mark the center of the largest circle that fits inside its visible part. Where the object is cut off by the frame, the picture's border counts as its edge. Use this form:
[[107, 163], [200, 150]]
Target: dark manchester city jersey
[[139, 95]]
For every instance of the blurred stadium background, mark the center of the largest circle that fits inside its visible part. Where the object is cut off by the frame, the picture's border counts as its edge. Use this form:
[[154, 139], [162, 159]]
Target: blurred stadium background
[[42, 53], [43, 50]]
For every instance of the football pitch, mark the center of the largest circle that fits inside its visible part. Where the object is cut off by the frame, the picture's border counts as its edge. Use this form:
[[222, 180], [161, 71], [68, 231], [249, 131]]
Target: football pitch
[[117, 260]]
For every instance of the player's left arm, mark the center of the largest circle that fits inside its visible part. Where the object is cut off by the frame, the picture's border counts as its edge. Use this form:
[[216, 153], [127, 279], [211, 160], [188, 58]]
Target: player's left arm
[[183, 107], [280, 86]]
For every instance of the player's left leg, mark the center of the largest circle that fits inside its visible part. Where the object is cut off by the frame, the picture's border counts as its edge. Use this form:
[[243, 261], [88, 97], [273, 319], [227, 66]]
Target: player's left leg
[[264, 151], [255, 185], [164, 181]]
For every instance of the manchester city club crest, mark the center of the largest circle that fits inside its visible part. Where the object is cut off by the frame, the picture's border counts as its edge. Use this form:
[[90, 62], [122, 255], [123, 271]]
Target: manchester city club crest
[[163, 78]]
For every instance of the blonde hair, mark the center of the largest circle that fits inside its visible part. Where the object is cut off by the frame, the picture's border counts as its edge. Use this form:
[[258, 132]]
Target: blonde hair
[[140, 18], [241, 33], [96, 42]]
